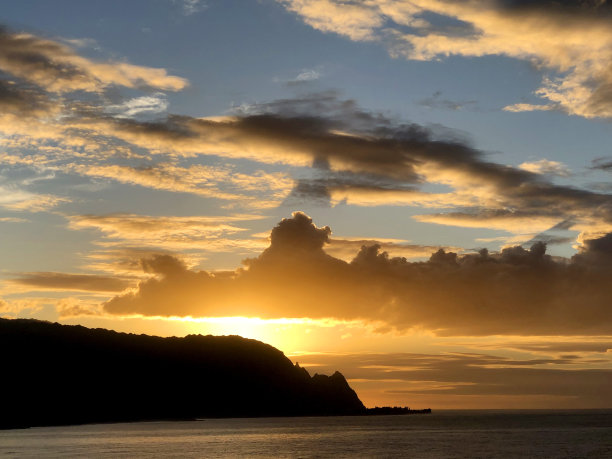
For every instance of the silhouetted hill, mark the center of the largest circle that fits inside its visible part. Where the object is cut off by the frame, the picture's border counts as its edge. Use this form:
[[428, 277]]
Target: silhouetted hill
[[54, 374]]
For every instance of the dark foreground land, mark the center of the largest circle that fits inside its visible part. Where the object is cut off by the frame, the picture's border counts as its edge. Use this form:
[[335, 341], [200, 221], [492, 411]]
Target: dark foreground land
[[52, 374]]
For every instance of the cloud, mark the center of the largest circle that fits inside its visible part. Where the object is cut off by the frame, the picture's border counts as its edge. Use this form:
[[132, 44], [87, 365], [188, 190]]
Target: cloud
[[519, 222], [346, 248], [604, 164], [348, 18], [547, 167], [156, 103], [57, 68], [42, 85], [21, 307], [584, 346], [304, 77], [75, 307], [13, 220], [76, 282], [572, 40], [192, 6], [125, 260], [454, 376], [169, 232], [369, 159], [15, 198], [516, 291], [23, 101], [259, 189], [436, 101]]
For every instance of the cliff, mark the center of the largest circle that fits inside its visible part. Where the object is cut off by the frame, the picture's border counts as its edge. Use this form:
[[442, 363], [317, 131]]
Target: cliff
[[55, 374]]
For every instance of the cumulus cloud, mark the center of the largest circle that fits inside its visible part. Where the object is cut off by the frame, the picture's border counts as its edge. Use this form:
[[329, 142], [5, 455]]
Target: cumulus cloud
[[517, 291], [572, 40], [346, 248]]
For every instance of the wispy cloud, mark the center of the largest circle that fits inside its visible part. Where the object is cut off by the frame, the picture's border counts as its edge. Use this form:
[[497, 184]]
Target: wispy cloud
[[15, 198], [70, 282], [547, 167], [450, 378], [169, 232], [156, 103], [569, 39], [436, 100], [192, 6]]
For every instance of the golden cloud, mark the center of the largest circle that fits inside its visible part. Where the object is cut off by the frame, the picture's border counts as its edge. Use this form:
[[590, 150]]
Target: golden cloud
[[170, 232], [516, 292], [57, 68]]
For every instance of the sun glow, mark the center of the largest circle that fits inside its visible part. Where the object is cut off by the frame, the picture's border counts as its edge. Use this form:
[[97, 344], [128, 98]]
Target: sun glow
[[287, 334]]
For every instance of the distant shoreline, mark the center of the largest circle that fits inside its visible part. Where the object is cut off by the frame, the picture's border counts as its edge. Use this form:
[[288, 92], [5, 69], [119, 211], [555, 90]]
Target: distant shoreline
[[394, 410]]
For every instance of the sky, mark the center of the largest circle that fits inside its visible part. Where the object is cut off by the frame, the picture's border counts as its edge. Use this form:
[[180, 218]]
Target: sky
[[415, 193]]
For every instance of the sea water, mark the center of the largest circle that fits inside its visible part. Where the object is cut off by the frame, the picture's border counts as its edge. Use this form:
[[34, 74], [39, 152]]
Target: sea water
[[456, 434]]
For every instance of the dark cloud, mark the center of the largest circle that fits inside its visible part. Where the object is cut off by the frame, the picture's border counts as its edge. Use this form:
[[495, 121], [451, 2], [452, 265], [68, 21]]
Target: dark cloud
[[36, 60], [550, 239], [347, 248], [320, 190], [311, 191], [56, 67], [356, 151], [297, 234], [517, 291], [552, 236], [552, 7], [22, 100], [604, 164], [77, 282]]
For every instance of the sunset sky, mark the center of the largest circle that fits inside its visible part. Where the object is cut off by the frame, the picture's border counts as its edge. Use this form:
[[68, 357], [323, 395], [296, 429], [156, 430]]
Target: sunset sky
[[415, 193]]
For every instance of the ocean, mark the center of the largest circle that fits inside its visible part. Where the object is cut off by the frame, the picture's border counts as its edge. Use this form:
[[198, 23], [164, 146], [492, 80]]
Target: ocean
[[442, 434]]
